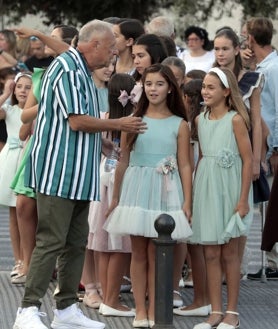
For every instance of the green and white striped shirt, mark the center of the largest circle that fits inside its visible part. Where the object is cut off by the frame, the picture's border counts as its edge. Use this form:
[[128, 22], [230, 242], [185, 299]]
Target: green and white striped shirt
[[64, 162]]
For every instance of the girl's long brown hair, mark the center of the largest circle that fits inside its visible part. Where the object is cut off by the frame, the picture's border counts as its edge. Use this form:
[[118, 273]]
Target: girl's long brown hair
[[174, 98]]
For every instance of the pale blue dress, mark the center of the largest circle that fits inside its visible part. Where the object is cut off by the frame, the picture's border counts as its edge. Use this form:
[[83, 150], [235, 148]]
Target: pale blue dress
[[151, 184], [10, 155], [217, 184]]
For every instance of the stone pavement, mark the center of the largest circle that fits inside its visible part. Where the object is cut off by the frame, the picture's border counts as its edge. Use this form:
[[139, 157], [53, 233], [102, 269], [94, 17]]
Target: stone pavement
[[257, 302]]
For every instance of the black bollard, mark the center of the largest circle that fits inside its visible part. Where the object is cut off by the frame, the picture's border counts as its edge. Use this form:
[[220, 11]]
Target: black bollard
[[164, 246]]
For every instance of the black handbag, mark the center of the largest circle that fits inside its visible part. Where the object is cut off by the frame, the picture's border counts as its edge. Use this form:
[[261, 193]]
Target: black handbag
[[261, 188]]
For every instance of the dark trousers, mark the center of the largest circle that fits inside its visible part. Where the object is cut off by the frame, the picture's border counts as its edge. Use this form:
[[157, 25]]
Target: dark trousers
[[61, 236]]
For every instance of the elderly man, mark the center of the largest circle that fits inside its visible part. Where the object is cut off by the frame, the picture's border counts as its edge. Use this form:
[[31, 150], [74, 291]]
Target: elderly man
[[64, 166]]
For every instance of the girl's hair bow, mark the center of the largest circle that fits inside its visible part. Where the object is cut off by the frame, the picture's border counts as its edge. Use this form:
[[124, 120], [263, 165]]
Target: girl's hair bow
[[134, 96]]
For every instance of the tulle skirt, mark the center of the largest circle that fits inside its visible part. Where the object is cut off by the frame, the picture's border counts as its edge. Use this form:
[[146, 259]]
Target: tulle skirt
[[145, 195]]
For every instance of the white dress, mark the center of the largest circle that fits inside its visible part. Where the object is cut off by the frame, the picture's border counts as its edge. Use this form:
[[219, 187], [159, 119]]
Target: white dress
[[10, 155]]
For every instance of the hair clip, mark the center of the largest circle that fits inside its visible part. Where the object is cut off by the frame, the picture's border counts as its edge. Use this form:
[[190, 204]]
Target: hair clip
[[134, 96]]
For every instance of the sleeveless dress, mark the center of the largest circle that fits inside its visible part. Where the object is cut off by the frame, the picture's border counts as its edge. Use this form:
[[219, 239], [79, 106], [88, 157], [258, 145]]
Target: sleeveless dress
[[217, 184], [151, 184], [10, 155], [17, 183]]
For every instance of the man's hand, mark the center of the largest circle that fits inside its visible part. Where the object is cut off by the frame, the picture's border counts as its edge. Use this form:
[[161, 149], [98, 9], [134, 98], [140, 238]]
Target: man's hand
[[132, 125]]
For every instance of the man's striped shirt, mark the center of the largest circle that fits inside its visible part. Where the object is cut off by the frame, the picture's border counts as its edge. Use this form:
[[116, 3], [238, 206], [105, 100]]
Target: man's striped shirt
[[64, 162]]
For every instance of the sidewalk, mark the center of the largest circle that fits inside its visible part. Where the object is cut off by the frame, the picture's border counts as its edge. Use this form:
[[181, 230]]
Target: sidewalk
[[257, 302]]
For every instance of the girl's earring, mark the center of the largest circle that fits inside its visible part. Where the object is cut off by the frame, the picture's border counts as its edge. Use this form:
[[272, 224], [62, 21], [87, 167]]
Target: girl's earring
[[169, 92]]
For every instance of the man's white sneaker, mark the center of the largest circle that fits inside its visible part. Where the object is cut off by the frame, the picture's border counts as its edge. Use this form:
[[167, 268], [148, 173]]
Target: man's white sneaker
[[29, 318], [73, 317]]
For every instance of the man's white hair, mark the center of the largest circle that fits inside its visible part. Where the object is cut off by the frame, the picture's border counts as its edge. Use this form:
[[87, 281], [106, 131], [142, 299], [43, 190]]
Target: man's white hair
[[92, 28], [161, 26]]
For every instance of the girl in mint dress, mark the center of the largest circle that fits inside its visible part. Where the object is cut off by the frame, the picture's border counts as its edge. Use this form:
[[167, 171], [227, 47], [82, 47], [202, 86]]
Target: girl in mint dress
[[221, 195], [152, 177]]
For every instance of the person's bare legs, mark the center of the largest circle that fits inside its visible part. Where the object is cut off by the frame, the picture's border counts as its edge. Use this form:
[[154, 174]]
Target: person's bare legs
[[103, 259], [214, 279], [199, 275], [138, 272], [14, 235], [231, 263], [180, 251], [115, 271], [241, 248], [151, 279], [27, 219], [88, 274], [89, 279], [189, 267]]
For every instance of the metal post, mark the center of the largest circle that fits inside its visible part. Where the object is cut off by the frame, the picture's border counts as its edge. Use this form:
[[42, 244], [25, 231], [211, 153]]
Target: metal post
[[164, 226]]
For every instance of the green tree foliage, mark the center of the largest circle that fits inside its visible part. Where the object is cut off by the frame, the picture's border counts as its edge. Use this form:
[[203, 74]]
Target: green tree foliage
[[81, 11], [203, 9], [76, 11]]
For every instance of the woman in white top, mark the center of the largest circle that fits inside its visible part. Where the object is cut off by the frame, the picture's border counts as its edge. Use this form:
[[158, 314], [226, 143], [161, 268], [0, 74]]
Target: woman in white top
[[199, 54]]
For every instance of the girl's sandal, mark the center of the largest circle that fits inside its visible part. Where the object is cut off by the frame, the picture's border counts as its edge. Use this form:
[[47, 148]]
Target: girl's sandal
[[206, 325], [224, 325]]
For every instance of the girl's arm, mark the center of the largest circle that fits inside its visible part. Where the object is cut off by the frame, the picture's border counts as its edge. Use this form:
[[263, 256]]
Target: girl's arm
[[8, 88], [119, 173], [184, 167], [57, 45], [256, 124], [28, 114], [25, 131], [245, 151], [30, 110]]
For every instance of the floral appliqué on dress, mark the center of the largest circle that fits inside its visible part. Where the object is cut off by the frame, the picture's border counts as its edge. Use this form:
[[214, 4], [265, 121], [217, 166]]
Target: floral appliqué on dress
[[225, 158], [167, 165]]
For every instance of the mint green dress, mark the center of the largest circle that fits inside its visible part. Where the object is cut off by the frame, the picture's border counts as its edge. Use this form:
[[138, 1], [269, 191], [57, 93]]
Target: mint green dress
[[217, 184], [151, 184]]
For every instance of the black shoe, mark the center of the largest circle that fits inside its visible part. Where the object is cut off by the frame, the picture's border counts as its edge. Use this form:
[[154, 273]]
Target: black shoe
[[270, 273]]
